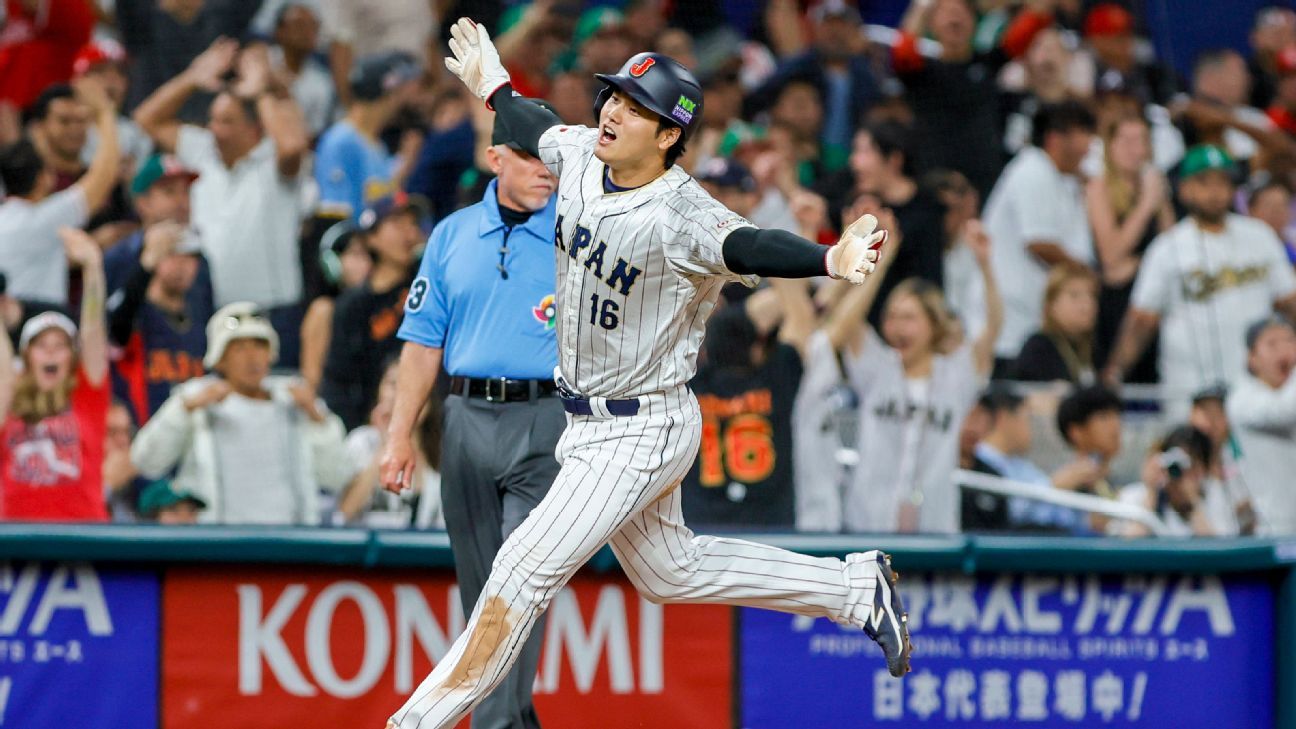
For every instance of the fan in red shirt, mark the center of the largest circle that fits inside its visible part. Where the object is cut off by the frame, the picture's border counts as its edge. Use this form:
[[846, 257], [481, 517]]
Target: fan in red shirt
[[53, 414], [38, 45]]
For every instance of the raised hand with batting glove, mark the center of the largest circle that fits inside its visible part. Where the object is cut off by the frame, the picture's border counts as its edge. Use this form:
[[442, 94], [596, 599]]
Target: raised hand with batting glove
[[474, 59], [855, 255]]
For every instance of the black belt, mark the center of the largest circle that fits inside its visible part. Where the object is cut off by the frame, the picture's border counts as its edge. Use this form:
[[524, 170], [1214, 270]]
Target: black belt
[[502, 389]]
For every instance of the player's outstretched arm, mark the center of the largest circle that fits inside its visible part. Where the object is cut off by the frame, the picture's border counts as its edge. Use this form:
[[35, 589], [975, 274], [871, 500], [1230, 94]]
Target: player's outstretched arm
[[781, 254], [474, 59]]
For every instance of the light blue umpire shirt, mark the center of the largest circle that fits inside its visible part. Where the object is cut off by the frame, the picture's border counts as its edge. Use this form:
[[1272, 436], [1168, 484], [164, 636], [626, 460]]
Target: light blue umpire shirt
[[489, 324]]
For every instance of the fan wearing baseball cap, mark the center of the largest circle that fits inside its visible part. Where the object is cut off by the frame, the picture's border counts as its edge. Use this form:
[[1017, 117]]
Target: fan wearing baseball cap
[[251, 446], [54, 405], [1282, 112], [352, 166], [1109, 33], [105, 61], [1202, 282], [160, 291]]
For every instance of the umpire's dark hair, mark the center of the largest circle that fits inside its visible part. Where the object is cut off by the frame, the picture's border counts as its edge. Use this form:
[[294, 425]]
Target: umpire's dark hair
[[1193, 442], [20, 167], [1060, 118], [40, 108], [1000, 397], [892, 137], [1082, 404]]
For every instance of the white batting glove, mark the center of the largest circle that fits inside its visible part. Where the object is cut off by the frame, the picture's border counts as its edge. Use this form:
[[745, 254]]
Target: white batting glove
[[855, 256], [474, 59]]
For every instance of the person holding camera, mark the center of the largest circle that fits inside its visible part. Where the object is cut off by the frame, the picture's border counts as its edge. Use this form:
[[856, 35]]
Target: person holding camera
[[1173, 489]]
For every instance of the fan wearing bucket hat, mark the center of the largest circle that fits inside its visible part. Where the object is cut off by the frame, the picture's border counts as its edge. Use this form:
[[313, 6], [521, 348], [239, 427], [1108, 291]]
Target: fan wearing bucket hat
[[54, 406], [255, 447], [352, 166], [1202, 282]]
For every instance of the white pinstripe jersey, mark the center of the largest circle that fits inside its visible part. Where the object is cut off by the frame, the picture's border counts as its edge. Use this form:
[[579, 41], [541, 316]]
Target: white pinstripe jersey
[[639, 272]]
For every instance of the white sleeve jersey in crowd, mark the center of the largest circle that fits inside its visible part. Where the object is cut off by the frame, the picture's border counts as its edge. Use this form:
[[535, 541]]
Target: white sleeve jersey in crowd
[[638, 272]]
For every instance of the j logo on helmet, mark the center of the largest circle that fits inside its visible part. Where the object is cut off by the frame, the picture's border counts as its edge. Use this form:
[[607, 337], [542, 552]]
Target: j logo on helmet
[[642, 67]]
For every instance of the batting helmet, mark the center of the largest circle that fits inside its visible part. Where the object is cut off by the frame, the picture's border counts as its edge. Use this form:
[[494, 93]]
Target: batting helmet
[[659, 83]]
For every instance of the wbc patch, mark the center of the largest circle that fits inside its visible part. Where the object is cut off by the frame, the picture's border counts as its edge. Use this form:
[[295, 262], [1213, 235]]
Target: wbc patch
[[546, 313], [683, 111]]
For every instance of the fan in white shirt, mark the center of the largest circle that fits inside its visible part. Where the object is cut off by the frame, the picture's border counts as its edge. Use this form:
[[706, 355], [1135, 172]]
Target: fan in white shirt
[[1262, 410], [31, 254], [1203, 282], [246, 200], [1036, 217]]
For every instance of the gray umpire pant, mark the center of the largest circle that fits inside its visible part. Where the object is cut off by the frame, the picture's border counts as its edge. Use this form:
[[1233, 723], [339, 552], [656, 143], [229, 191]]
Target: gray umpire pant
[[497, 462]]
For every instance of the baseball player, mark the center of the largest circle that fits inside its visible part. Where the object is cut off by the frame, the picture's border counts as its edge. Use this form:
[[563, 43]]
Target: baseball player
[[642, 252]]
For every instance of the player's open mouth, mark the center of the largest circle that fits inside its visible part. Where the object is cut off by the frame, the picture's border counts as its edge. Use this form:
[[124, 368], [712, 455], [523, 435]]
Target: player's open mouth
[[50, 369], [607, 136]]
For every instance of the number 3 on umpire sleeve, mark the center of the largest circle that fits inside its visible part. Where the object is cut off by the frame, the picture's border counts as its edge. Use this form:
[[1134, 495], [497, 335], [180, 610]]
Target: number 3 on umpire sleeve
[[417, 294]]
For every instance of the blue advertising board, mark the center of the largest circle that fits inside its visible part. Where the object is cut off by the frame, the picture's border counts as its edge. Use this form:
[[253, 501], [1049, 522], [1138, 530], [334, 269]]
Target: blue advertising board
[[1047, 651], [78, 647]]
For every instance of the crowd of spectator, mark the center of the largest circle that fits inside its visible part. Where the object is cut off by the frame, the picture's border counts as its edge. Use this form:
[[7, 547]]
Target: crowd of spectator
[[213, 211]]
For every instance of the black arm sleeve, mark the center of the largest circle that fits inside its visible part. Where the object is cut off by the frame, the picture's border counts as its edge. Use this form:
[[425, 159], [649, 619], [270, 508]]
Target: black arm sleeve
[[774, 253], [525, 120], [124, 304]]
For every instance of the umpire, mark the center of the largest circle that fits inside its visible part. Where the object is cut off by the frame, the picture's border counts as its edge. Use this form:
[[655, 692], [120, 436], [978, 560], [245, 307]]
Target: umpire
[[484, 301]]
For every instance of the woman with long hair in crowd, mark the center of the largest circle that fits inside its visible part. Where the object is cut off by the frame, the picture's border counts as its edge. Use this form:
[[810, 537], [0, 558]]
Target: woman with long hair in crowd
[[1062, 350], [54, 412], [915, 391], [1129, 204]]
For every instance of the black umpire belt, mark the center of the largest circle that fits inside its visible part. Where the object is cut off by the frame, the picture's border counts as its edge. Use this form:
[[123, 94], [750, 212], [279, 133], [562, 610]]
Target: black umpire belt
[[587, 406], [501, 389]]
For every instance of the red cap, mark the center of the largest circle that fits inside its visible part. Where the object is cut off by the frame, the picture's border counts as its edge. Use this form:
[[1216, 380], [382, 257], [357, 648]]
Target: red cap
[[1108, 19], [95, 53], [1286, 60]]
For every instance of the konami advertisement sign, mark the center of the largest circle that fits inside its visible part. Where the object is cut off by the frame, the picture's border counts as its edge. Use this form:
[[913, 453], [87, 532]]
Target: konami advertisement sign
[[275, 648]]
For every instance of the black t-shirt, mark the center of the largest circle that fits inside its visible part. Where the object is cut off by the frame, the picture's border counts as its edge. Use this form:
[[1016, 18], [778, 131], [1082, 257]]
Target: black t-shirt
[[743, 474], [957, 118], [363, 340], [1041, 361], [922, 248]]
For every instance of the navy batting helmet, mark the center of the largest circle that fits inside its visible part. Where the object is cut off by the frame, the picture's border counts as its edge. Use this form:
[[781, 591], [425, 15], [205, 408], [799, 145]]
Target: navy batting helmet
[[659, 83]]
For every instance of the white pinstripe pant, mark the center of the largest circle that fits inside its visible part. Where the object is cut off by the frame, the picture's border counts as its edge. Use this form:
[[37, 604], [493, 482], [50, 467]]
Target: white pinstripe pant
[[618, 483]]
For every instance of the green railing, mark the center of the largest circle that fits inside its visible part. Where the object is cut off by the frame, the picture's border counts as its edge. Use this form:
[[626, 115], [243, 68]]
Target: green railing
[[375, 549]]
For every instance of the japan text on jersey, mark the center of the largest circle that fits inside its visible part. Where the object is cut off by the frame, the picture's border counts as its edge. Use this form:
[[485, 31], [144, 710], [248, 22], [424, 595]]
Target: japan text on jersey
[[638, 272]]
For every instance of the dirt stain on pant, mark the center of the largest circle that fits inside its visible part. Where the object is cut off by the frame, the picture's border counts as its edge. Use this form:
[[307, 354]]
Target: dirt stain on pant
[[493, 626]]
